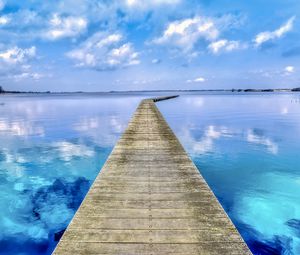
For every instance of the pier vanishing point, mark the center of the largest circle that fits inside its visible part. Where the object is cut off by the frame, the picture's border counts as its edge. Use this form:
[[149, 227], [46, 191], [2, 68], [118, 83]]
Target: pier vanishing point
[[149, 198]]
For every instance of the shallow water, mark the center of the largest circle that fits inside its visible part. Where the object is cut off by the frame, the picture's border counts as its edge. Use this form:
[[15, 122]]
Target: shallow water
[[246, 146]]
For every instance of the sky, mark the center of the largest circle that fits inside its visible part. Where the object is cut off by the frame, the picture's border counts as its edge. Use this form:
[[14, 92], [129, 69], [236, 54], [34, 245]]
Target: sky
[[104, 45]]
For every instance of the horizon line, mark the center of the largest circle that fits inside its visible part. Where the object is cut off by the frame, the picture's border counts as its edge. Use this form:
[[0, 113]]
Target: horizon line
[[160, 90]]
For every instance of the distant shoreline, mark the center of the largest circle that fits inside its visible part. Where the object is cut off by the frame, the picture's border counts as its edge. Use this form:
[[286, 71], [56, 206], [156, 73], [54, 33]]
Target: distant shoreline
[[4, 92]]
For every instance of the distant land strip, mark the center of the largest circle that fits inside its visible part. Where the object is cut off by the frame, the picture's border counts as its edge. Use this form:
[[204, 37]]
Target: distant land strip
[[2, 91]]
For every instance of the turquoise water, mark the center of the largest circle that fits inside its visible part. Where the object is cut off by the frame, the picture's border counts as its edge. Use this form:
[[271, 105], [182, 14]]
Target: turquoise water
[[246, 146]]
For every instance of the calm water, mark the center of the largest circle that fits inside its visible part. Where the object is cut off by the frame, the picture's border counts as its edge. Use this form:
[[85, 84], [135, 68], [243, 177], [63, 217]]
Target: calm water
[[246, 146], [248, 150], [51, 150]]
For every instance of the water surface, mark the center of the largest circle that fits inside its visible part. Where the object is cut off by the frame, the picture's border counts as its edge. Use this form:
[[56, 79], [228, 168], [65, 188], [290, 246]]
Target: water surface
[[246, 146], [52, 148], [248, 149]]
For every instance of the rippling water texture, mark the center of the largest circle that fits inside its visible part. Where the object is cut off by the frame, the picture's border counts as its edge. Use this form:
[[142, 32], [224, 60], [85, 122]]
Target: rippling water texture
[[246, 146]]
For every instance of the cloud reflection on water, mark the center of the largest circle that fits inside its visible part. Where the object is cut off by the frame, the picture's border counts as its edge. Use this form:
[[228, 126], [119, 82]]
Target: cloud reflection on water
[[247, 154], [246, 148], [51, 150]]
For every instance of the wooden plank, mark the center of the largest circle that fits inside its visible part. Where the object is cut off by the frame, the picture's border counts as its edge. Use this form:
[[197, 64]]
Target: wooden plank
[[149, 198]]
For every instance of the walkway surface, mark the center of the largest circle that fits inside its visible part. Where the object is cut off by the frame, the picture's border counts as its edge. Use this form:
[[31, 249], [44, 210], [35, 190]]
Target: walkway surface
[[149, 198]]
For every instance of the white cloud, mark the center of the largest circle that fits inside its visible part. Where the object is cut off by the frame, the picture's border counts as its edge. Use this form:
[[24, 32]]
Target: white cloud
[[198, 79], [87, 124], [14, 63], [155, 61], [28, 75], [206, 143], [62, 27], [276, 34], [68, 150], [70, 18], [274, 73], [225, 45], [145, 4], [23, 24], [117, 125], [12, 163], [212, 133], [102, 52], [97, 127], [289, 69], [17, 55], [4, 20], [20, 128], [184, 34], [252, 137]]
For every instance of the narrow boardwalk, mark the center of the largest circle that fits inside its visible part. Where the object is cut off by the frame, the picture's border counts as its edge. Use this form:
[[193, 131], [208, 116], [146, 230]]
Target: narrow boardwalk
[[150, 199]]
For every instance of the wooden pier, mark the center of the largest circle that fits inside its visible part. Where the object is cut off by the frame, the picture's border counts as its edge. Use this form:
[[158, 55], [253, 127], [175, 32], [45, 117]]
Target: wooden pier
[[149, 198]]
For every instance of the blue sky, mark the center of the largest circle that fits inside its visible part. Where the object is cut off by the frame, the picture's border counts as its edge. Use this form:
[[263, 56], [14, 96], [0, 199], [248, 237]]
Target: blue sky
[[93, 45]]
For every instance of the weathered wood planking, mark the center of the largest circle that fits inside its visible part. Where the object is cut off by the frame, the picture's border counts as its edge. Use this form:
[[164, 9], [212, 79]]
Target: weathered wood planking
[[150, 199]]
